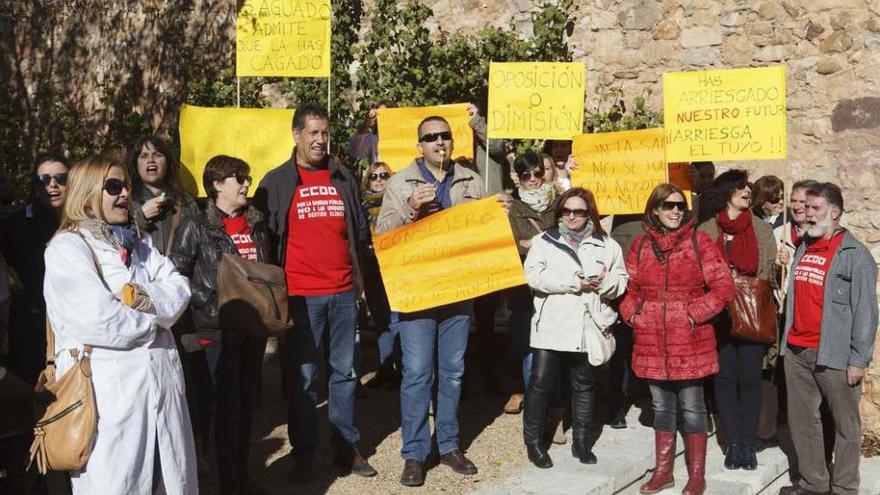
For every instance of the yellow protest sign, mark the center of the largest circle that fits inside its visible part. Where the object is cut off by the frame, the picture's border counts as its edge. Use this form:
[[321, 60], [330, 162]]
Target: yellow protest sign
[[398, 132], [454, 255], [288, 38], [260, 136], [536, 100], [733, 114], [620, 168]]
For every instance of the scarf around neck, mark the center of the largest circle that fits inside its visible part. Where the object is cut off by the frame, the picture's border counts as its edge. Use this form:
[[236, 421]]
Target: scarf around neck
[[122, 237], [664, 240], [573, 237], [539, 199], [742, 253]]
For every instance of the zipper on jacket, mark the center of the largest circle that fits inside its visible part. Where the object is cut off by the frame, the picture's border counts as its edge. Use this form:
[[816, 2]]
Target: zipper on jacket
[[540, 313], [665, 330]]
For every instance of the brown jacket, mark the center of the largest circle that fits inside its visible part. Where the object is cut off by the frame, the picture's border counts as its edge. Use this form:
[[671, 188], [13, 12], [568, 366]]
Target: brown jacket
[[526, 224]]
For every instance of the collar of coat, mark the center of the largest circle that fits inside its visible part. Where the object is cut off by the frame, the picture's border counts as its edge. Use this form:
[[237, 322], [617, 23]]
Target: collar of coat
[[214, 216], [554, 237], [413, 174]]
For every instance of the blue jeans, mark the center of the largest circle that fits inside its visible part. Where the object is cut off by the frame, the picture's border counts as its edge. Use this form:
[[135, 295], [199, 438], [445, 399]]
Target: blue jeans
[[441, 334], [311, 316], [686, 396], [387, 340]]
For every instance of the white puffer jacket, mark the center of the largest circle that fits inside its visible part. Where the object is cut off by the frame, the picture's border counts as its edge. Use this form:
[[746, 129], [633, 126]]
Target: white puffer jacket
[[563, 311]]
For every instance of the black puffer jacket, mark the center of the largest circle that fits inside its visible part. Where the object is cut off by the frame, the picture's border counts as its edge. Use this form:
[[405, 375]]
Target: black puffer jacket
[[198, 247]]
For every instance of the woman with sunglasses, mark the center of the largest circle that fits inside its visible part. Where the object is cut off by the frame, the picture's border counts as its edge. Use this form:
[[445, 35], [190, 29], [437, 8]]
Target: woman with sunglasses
[[111, 294], [228, 225], [159, 200], [26, 233], [678, 283], [531, 212], [373, 190], [575, 270], [749, 249]]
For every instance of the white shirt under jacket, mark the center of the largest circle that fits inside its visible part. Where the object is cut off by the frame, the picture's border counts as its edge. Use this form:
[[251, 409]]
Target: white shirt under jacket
[[136, 371], [563, 311]]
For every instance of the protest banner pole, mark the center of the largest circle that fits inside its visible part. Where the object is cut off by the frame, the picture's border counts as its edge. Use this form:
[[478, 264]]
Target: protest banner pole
[[237, 92], [486, 178]]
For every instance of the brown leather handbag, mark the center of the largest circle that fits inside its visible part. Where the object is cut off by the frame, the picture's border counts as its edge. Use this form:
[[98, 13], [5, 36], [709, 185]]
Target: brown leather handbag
[[252, 297], [753, 311]]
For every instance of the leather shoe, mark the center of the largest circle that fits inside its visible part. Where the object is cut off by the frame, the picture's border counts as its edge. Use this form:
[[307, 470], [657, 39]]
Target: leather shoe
[[413, 473], [748, 458], [355, 463], [732, 457], [539, 457], [797, 490], [458, 462]]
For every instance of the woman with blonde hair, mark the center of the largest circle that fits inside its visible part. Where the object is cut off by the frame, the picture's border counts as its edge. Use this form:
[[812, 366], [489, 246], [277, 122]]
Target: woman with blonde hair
[[109, 293]]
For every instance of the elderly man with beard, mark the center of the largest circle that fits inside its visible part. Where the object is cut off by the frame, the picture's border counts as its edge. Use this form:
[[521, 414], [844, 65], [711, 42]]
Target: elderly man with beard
[[830, 326]]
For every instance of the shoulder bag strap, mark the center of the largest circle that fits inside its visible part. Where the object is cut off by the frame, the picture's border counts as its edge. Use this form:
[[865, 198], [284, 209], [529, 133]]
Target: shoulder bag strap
[[175, 222]]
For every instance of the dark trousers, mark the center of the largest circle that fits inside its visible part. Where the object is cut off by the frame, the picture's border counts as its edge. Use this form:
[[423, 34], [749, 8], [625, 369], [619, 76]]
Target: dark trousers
[[807, 384], [620, 372], [239, 365], [738, 390], [670, 397], [546, 365]]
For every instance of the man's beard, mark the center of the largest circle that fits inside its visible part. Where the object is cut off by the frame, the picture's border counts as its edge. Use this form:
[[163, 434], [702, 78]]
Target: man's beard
[[820, 228]]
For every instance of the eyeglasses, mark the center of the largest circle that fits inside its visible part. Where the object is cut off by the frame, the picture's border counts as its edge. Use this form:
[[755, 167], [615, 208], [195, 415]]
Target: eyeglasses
[[537, 173], [114, 187], [577, 212], [776, 201], [431, 137], [46, 179], [381, 175], [241, 178], [671, 205]]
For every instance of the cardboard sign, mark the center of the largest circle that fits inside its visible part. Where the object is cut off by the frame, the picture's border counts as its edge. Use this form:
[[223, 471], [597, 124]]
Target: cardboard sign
[[450, 256], [288, 38], [398, 132], [262, 137], [734, 114], [536, 100], [620, 168]]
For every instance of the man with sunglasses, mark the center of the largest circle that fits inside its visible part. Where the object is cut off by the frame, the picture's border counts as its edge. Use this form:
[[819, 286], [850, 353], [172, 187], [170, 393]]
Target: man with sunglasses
[[435, 337], [312, 205]]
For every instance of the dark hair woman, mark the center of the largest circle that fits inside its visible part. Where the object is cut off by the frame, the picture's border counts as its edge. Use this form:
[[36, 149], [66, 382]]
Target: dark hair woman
[[159, 201], [228, 225], [25, 234], [749, 249], [575, 271], [678, 283]]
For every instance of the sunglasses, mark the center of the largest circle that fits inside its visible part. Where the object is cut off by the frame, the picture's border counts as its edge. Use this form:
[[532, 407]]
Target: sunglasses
[[241, 178], [776, 201], [114, 187], [577, 212], [431, 137], [671, 205], [537, 173], [46, 179], [381, 175]]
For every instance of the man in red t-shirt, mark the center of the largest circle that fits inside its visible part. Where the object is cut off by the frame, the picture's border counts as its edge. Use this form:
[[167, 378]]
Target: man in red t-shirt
[[830, 326], [312, 206]]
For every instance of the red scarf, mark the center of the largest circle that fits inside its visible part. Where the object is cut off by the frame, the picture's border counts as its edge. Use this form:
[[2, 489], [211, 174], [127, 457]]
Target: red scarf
[[743, 252]]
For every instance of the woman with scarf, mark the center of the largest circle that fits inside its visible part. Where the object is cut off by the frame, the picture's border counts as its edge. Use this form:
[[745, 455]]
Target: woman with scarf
[[110, 293], [678, 283], [575, 271], [749, 249], [531, 212], [373, 190]]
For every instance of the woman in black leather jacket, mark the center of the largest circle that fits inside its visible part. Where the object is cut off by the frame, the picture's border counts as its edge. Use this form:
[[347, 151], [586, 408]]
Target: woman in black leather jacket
[[228, 225]]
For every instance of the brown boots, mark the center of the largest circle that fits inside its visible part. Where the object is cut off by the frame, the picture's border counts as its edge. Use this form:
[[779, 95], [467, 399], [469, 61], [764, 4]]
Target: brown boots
[[695, 443], [664, 449]]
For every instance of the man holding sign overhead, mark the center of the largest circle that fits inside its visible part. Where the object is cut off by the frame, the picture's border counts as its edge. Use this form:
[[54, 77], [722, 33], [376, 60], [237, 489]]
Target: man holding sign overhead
[[427, 185]]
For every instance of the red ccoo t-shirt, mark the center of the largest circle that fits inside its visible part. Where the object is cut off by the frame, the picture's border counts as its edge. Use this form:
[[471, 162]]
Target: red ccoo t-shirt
[[239, 231], [317, 261], [810, 277]]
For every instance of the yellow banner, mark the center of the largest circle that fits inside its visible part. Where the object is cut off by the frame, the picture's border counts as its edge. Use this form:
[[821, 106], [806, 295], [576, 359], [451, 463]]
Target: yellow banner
[[260, 136], [454, 255], [733, 114], [288, 38], [536, 100], [398, 132], [620, 168]]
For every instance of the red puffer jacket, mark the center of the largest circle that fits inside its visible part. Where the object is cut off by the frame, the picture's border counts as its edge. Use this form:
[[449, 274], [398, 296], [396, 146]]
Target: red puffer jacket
[[670, 303]]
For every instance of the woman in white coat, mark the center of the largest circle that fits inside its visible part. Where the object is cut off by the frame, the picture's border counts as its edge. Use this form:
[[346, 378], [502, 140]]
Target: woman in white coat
[[575, 270], [144, 441]]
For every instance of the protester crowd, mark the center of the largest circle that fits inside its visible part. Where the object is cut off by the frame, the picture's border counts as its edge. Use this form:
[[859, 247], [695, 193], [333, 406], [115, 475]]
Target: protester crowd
[[126, 271]]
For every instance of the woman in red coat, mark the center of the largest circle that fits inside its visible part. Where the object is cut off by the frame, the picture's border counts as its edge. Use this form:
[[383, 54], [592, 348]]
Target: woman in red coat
[[678, 283]]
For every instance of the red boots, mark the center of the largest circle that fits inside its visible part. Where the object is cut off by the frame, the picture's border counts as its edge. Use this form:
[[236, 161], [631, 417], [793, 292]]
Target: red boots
[[696, 449], [664, 448]]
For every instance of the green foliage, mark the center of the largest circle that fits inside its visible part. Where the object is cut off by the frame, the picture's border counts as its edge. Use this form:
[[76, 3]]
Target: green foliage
[[612, 114]]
